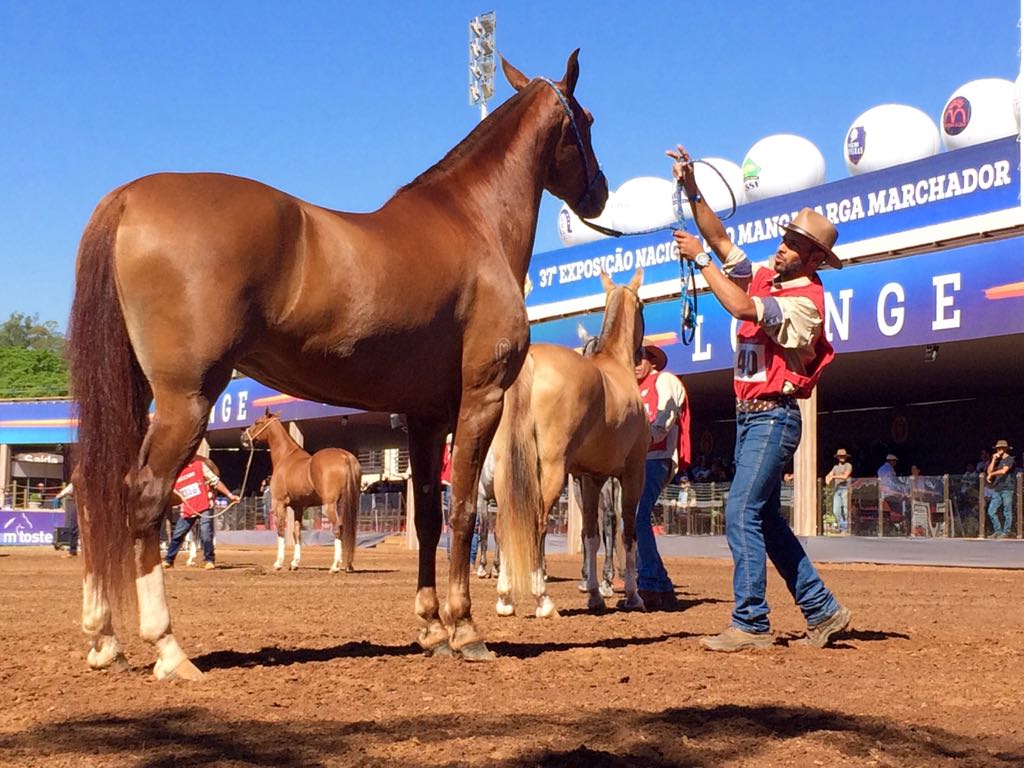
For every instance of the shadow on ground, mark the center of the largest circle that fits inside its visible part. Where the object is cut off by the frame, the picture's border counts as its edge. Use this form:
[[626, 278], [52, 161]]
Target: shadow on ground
[[697, 736]]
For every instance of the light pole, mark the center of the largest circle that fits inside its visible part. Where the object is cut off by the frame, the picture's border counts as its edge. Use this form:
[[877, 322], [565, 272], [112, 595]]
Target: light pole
[[481, 60]]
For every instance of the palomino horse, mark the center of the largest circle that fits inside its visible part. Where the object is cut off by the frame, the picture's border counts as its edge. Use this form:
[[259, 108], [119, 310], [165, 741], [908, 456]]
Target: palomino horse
[[299, 480], [569, 413], [416, 308], [484, 497]]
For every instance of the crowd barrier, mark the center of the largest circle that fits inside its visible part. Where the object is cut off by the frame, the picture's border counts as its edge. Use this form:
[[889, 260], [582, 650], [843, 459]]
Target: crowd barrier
[[939, 506]]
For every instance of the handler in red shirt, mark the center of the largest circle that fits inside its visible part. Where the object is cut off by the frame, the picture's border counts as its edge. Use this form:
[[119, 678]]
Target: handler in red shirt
[[781, 351], [192, 487]]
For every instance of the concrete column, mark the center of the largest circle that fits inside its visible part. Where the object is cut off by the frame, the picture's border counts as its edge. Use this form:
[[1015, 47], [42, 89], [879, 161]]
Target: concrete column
[[805, 471], [574, 524], [411, 541], [296, 433], [5, 470]]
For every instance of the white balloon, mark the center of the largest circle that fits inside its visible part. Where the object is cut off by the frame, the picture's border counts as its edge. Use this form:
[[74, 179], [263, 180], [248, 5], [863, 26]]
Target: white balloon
[[979, 111], [781, 163], [644, 203], [888, 135], [715, 192], [572, 231]]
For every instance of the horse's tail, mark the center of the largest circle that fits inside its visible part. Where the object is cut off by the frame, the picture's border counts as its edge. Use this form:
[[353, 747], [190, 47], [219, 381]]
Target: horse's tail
[[350, 510], [520, 516], [112, 400]]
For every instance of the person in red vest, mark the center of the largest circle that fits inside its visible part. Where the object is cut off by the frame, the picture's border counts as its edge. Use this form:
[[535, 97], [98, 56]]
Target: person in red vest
[[193, 488], [668, 411], [781, 350]]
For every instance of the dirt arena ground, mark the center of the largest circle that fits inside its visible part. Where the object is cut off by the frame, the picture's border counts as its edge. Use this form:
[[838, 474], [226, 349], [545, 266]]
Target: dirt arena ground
[[310, 669]]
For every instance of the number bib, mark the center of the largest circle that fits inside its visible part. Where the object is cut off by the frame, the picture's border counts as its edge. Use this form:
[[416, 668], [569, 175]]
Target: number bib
[[190, 491], [751, 362]]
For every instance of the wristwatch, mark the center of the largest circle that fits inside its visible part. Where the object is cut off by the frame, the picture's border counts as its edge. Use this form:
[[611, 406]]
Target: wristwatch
[[702, 260]]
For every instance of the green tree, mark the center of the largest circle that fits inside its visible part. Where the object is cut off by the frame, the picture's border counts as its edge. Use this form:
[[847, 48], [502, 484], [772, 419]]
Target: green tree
[[26, 332], [32, 358]]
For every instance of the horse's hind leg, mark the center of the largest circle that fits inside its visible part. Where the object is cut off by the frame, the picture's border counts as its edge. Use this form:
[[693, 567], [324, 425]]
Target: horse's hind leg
[[297, 513], [175, 432], [104, 649], [632, 483], [552, 481], [331, 510], [591, 537]]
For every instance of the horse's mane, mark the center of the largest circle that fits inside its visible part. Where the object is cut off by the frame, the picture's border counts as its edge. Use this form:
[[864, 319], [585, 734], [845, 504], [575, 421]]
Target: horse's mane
[[611, 316], [481, 133]]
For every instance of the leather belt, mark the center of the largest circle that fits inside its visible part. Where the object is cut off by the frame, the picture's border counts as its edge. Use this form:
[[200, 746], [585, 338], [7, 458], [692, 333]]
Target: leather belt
[[762, 404]]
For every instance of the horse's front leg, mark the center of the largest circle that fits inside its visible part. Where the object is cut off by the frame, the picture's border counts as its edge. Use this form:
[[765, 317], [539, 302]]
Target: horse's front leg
[[479, 413], [425, 440]]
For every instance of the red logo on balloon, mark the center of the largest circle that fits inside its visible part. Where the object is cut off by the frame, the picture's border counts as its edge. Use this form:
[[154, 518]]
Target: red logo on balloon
[[957, 116]]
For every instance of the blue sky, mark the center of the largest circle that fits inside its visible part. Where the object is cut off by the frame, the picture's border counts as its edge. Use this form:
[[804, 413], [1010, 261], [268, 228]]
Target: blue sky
[[341, 103]]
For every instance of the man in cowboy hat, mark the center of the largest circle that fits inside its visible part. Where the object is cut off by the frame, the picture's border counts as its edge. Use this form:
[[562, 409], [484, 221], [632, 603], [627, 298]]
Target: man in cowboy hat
[[781, 351], [840, 476], [665, 402], [1000, 476]]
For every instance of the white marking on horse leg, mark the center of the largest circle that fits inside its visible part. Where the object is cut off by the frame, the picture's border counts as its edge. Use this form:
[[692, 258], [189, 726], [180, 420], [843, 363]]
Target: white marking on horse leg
[[632, 601], [155, 626], [336, 565], [104, 649], [505, 606], [192, 548], [296, 556], [590, 547], [280, 554], [539, 588]]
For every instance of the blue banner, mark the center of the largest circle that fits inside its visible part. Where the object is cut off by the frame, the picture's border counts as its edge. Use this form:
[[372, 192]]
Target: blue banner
[[19, 528], [953, 185], [971, 292], [49, 423]]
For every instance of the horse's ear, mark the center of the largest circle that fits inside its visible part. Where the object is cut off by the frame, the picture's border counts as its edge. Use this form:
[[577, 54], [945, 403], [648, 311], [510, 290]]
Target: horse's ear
[[638, 279], [267, 413], [572, 73], [606, 282], [515, 78]]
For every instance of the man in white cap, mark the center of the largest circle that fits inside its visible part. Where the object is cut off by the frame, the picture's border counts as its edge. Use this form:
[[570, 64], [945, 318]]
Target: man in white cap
[[781, 351]]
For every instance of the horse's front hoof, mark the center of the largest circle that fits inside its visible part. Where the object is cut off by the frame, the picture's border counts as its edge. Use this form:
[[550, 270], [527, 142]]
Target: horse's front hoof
[[293, 567], [505, 609], [477, 652], [350, 569], [334, 569], [595, 602], [278, 566]]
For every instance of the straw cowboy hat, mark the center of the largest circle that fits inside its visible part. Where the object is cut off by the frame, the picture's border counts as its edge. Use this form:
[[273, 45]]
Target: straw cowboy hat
[[842, 454], [1003, 444], [892, 457], [656, 355], [812, 225]]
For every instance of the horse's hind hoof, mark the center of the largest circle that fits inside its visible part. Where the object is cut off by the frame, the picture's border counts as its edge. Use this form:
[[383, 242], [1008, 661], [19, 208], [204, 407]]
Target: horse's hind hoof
[[477, 652], [627, 604], [349, 569], [186, 670], [441, 649]]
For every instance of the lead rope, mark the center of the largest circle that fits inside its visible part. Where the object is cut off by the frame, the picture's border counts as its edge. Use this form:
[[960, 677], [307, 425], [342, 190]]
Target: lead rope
[[687, 273]]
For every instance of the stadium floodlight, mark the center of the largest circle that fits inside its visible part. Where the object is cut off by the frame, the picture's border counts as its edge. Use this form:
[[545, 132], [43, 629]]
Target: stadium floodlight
[[481, 60]]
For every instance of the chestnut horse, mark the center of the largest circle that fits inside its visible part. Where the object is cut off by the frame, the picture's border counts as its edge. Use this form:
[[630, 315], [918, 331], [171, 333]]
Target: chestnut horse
[[325, 478], [416, 308], [570, 413]]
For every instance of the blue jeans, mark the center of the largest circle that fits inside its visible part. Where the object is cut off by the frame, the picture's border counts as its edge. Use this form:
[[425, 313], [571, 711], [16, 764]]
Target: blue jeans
[[840, 506], [755, 527], [651, 573], [1002, 498], [181, 529]]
